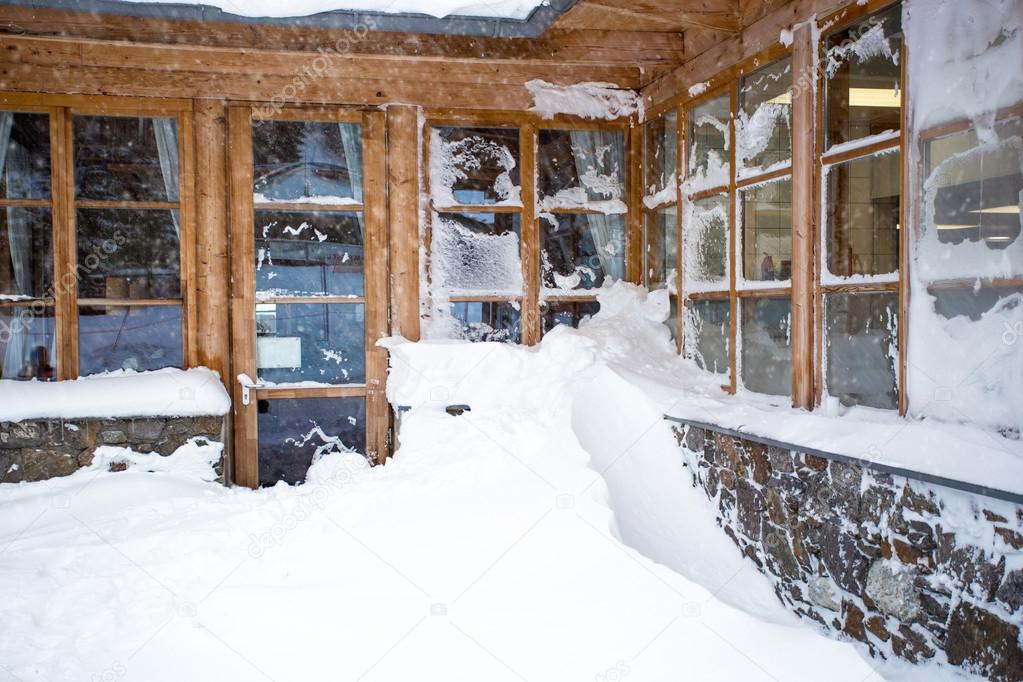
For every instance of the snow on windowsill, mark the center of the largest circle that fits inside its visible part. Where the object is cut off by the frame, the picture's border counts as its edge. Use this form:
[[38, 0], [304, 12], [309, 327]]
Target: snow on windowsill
[[663, 197], [161, 393], [862, 142], [326, 200]]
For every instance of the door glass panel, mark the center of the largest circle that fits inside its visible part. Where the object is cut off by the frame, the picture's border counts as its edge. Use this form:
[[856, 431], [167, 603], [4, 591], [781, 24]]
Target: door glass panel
[[126, 158], [308, 254], [26, 255], [766, 345], [488, 320], [767, 232], [863, 216], [862, 351], [706, 327], [319, 342], [307, 162], [128, 254], [569, 313], [27, 344], [139, 338], [24, 156], [581, 251], [294, 433]]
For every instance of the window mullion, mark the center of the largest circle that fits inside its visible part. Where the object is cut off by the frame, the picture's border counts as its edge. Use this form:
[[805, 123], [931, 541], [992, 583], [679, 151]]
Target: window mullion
[[64, 255]]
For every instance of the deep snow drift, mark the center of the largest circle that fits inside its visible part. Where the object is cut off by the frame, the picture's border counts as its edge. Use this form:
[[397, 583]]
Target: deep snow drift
[[519, 541]]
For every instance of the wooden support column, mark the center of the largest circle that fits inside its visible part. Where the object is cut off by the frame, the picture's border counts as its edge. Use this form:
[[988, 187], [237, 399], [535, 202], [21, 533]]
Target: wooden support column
[[375, 263], [803, 229], [635, 243], [403, 218], [211, 243], [531, 331]]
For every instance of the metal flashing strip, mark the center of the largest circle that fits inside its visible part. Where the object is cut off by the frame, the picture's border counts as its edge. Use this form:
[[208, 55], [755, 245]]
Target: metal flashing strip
[[976, 489], [539, 20]]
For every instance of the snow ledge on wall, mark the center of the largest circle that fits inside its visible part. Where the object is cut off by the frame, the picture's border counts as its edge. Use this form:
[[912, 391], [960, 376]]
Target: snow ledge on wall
[[604, 101], [161, 393]]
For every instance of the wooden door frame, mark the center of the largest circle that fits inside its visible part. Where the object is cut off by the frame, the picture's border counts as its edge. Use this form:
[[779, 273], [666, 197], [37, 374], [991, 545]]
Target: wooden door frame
[[243, 287]]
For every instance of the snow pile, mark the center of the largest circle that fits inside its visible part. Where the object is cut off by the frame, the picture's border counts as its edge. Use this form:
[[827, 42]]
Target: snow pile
[[497, 9], [122, 393], [589, 100]]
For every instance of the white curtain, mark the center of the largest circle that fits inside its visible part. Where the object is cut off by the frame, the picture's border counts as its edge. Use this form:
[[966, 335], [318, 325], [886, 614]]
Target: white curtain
[[351, 140], [19, 239], [165, 130], [587, 148]]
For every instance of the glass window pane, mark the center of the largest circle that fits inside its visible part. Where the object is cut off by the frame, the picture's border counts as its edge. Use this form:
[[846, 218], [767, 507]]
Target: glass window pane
[[767, 232], [474, 166], [763, 134], [139, 338], [581, 167], [569, 313], [661, 252], [581, 251], [488, 321], [863, 216], [863, 78], [862, 348], [705, 232], [972, 200], [294, 433], [320, 342], [307, 162], [24, 156], [766, 351], [476, 252], [708, 144], [706, 328], [128, 254], [26, 254], [309, 254], [126, 158], [672, 322], [27, 343], [660, 156]]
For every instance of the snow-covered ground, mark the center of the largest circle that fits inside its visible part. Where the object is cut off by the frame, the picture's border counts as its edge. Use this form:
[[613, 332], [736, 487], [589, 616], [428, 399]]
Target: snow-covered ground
[[551, 533]]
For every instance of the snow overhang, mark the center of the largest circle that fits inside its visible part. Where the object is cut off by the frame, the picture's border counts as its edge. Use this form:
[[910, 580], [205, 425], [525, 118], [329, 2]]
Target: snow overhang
[[538, 21]]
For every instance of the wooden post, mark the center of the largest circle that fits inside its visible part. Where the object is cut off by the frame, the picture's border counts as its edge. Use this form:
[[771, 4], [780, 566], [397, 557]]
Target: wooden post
[[403, 218], [530, 237], [635, 243], [64, 251], [375, 263], [803, 230], [211, 231]]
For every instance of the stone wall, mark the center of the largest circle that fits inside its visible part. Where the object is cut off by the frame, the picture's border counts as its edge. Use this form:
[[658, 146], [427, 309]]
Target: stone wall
[[40, 449], [907, 569]]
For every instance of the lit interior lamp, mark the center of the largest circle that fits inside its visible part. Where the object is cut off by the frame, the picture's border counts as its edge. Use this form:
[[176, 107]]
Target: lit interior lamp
[[1008, 209], [949, 226], [859, 97]]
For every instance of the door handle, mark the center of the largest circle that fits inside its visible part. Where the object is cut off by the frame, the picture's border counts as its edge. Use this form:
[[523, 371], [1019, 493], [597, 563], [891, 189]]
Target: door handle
[[247, 385]]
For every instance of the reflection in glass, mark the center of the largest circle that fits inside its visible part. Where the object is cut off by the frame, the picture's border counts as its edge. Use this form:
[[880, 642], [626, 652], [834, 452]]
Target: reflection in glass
[[319, 342], [569, 313], [862, 348], [309, 254], [767, 231], [763, 134], [27, 344], [126, 158], [24, 155], [295, 433], [580, 166], [488, 320], [582, 251], [706, 243], [660, 154], [26, 256], [863, 78], [128, 254], [706, 332], [476, 252], [474, 166], [863, 216], [708, 144], [973, 304], [766, 345], [139, 338], [661, 252], [307, 162]]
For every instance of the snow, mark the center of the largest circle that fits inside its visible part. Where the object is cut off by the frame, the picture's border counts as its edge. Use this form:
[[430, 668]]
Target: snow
[[698, 89], [576, 197], [326, 200], [451, 162], [591, 100], [498, 9], [122, 393], [551, 533], [467, 261]]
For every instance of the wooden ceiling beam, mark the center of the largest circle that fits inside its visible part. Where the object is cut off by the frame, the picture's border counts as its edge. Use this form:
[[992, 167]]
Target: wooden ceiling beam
[[654, 15]]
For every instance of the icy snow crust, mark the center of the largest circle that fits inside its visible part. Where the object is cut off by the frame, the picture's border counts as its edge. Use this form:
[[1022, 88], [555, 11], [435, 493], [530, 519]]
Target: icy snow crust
[[498, 9], [551, 533], [589, 100]]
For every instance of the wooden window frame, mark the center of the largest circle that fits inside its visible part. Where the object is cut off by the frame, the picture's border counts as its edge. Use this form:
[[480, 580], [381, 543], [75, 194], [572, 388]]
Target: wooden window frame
[[243, 297], [532, 297], [63, 203]]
